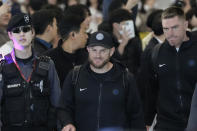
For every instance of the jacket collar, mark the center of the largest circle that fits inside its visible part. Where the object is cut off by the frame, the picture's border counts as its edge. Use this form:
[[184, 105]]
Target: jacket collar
[[185, 44]]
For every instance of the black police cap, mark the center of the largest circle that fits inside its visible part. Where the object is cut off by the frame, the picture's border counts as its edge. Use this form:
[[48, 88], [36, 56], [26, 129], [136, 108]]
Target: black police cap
[[18, 20]]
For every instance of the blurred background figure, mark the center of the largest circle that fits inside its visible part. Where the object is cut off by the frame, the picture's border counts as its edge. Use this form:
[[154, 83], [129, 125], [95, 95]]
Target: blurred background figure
[[35, 5], [146, 7], [58, 12], [191, 17], [96, 15], [69, 2], [80, 10], [5, 16], [45, 26], [128, 44]]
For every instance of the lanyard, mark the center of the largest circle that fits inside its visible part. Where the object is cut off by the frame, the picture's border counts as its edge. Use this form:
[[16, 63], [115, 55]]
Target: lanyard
[[29, 78]]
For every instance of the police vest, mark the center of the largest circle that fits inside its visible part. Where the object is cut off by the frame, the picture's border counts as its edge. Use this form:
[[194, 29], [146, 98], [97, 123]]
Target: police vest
[[26, 103]]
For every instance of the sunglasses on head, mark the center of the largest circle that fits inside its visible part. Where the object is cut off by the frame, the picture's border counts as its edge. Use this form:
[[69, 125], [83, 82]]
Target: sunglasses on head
[[21, 28]]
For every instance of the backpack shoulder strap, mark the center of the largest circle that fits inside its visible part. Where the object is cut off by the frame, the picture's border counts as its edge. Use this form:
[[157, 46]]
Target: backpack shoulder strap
[[155, 53], [125, 78], [75, 75]]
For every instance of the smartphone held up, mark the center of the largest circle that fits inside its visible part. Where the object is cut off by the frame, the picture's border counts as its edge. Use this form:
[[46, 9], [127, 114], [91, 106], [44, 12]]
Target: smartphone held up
[[129, 27]]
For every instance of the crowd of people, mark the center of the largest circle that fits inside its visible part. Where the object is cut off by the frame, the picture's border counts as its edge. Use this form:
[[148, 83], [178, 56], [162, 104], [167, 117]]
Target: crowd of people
[[98, 65]]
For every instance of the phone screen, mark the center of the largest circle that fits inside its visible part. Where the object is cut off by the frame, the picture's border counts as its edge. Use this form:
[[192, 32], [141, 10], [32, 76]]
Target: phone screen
[[129, 26]]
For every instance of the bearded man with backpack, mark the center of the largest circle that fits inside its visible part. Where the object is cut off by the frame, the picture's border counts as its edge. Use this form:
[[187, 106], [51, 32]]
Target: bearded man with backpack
[[104, 96]]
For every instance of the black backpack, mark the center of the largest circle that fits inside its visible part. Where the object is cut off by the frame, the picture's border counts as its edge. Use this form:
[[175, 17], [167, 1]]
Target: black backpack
[[75, 75], [154, 55]]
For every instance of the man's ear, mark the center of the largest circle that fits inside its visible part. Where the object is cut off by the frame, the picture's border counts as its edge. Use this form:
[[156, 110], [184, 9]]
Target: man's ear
[[33, 32], [186, 24], [88, 48], [48, 28], [10, 35], [72, 35], [112, 50]]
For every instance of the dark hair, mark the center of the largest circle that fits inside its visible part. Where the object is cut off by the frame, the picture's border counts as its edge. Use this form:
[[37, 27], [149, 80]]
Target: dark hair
[[41, 19], [104, 26], [37, 4], [120, 15], [66, 2], [179, 3], [157, 24], [56, 10], [151, 16], [99, 4], [191, 13], [172, 12], [116, 4], [79, 10], [68, 24]]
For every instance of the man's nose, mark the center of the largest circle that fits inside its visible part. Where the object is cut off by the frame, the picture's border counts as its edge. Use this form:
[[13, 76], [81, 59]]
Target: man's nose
[[21, 33], [98, 53], [170, 31]]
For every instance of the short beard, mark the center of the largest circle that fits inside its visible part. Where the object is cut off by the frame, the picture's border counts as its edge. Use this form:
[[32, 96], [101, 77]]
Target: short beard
[[98, 66]]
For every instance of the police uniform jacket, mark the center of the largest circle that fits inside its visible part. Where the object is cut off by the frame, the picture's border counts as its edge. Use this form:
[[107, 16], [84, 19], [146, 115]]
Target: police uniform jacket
[[28, 91]]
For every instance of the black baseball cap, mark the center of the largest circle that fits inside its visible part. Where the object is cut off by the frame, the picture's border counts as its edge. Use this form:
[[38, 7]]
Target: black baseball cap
[[20, 19], [101, 38]]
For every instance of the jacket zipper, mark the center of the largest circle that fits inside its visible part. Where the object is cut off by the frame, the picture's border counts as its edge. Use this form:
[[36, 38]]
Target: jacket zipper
[[99, 105], [26, 93], [178, 81]]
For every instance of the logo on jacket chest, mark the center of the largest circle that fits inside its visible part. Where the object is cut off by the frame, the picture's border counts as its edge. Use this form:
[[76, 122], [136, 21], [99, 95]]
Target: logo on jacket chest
[[13, 85], [82, 89], [115, 92], [191, 63]]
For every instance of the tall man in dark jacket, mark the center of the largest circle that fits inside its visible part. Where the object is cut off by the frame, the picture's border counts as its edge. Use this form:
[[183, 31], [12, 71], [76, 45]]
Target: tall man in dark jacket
[[175, 71], [104, 96], [29, 85], [71, 48], [45, 26], [69, 53]]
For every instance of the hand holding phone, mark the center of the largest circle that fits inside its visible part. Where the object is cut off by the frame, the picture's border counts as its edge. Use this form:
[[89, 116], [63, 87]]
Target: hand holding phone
[[129, 27]]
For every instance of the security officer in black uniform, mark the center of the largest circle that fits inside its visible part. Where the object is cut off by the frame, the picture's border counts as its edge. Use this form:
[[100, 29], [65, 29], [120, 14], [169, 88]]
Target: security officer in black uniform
[[29, 85]]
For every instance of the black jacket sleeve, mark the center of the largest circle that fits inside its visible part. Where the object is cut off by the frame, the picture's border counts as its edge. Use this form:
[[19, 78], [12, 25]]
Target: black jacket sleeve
[[66, 104], [134, 106], [149, 84], [192, 126]]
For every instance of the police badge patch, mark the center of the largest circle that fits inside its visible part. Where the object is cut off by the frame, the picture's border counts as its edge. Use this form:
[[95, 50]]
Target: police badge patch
[[44, 65]]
